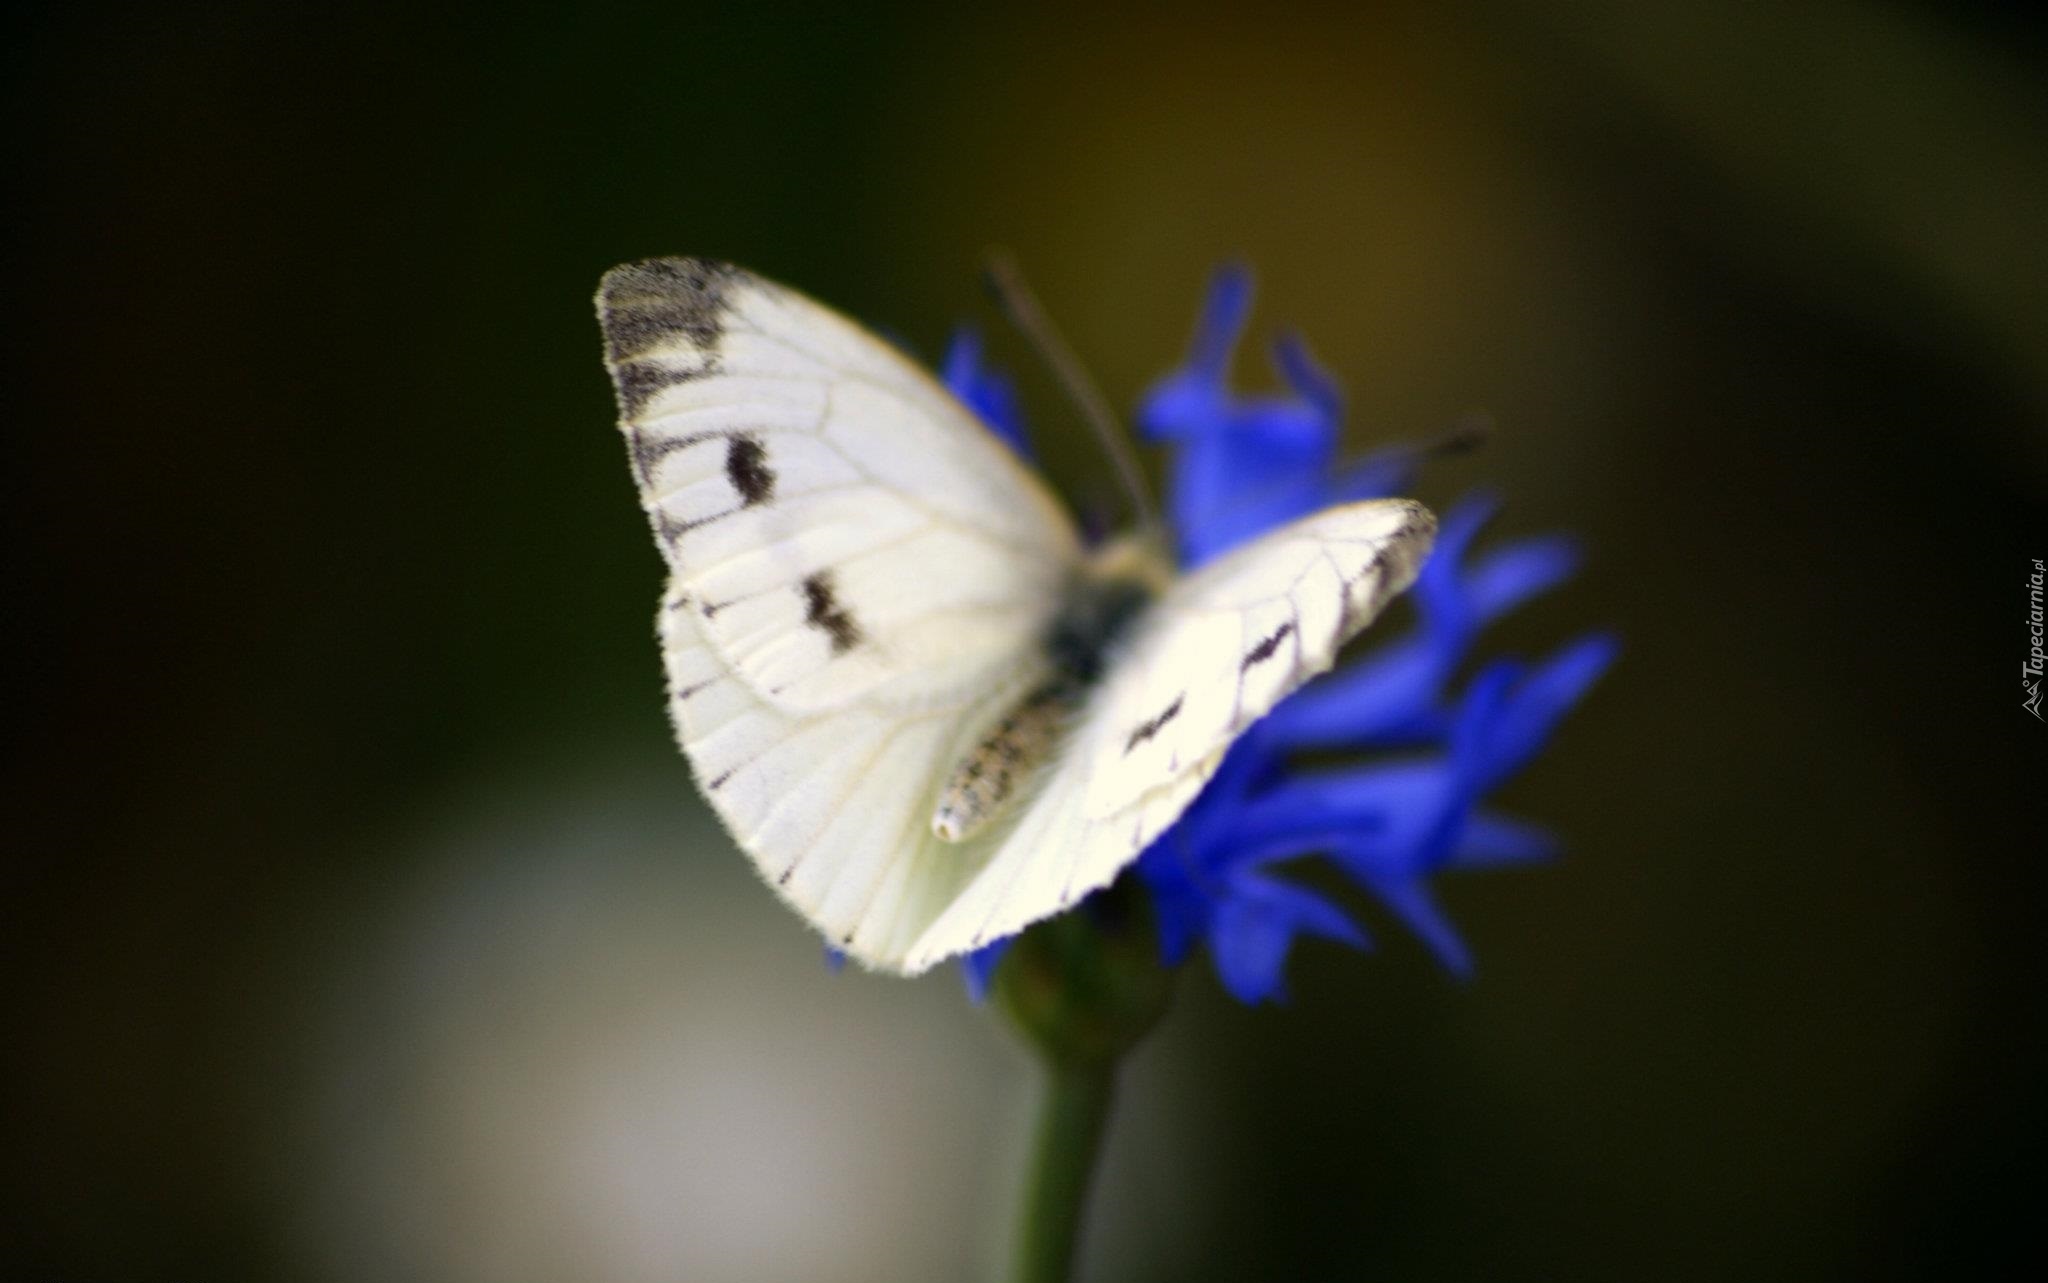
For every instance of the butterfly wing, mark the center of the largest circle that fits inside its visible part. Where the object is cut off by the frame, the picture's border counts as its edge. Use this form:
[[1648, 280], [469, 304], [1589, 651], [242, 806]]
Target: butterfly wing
[[834, 808], [1215, 654], [860, 576], [847, 530]]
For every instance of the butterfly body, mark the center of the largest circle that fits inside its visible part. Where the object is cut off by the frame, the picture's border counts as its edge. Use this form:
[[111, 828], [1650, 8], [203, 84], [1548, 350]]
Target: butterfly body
[[1098, 609], [1003, 761], [927, 713]]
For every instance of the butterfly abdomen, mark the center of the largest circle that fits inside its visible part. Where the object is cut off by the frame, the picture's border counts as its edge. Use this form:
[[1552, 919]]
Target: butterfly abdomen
[[1007, 757], [1101, 605]]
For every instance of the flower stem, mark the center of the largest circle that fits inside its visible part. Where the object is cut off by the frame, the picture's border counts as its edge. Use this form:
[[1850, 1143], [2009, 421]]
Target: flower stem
[[1073, 1118], [1082, 990]]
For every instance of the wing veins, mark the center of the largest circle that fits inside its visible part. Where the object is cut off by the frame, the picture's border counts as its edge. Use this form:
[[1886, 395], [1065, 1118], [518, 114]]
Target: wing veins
[[810, 841]]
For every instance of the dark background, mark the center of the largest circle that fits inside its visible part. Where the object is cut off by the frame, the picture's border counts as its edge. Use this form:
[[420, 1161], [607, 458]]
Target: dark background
[[368, 927]]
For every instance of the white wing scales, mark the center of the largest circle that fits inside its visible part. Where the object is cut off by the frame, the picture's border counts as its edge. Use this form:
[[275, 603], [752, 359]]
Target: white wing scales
[[1230, 641], [845, 526], [861, 580], [834, 808], [1215, 654]]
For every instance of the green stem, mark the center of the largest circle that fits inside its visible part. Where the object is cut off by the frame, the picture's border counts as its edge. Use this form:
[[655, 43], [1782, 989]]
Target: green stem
[[1081, 990], [1072, 1121]]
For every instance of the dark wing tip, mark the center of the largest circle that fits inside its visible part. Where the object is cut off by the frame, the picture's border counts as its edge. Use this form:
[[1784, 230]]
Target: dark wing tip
[[663, 278], [659, 301], [1419, 522], [1399, 560], [1411, 544]]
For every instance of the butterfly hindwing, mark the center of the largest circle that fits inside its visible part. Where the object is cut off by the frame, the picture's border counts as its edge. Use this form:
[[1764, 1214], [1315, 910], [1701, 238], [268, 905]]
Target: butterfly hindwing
[[834, 807]]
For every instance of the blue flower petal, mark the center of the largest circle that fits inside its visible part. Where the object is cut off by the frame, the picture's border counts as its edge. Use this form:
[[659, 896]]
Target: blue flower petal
[[1409, 900], [979, 967], [1387, 699], [1190, 402], [1522, 726], [1256, 926], [1180, 907], [1512, 574], [1240, 465], [1439, 591], [1244, 464], [1316, 386], [986, 390], [1490, 839], [1391, 804]]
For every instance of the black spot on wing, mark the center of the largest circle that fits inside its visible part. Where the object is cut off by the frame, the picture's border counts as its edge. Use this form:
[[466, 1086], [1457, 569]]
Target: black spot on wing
[[1262, 652], [1151, 726], [823, 611], [746, 466]]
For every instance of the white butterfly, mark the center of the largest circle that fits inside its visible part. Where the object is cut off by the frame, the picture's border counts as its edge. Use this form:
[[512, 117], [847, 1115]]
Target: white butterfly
[[929, 714]]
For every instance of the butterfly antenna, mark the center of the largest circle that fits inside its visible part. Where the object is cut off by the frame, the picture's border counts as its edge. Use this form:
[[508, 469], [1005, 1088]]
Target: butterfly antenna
[[1020, 305], [1469, 431]]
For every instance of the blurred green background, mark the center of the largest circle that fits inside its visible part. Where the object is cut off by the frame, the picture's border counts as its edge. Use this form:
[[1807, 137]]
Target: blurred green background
[[367, 926]]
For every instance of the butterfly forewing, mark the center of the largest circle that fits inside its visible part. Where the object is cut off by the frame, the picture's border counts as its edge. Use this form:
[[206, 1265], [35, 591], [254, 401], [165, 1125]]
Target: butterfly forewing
[[846, 528], [1233, 639]]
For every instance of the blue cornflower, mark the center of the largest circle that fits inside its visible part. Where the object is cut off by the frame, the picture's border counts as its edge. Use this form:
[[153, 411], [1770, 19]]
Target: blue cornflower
[[986, 390], [1241, 465]]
